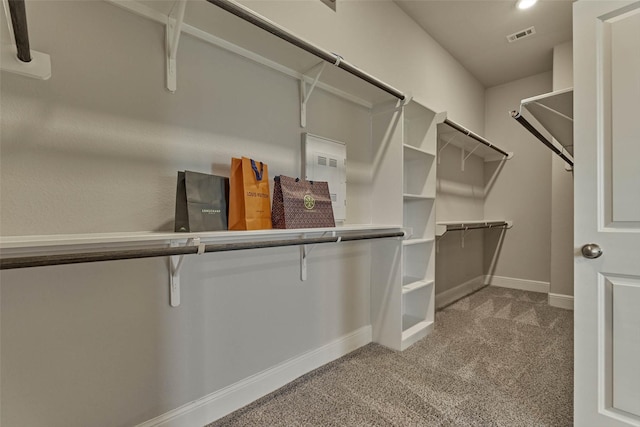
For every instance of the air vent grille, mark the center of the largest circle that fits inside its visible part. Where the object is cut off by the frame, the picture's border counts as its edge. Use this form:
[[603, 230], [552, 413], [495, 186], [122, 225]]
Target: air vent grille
[[527, 32]]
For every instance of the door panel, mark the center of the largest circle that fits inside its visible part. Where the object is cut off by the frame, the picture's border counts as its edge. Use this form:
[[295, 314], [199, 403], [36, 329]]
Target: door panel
[[607, 212], [620, 79], [626, 344]]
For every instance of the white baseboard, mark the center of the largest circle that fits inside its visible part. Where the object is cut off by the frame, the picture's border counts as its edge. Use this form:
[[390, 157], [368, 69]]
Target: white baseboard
[[222, 402], [521, 284], [561, 301], [460, 291]]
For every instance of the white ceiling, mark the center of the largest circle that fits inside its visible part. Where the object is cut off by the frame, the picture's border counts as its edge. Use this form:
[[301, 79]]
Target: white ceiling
[[474, 32]]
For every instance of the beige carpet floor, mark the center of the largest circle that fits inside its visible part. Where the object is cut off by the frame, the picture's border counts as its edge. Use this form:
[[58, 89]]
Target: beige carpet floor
[[499, 357]]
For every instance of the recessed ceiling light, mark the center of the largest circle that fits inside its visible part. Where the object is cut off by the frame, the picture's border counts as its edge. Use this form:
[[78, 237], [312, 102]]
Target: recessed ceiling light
[[525, 4]]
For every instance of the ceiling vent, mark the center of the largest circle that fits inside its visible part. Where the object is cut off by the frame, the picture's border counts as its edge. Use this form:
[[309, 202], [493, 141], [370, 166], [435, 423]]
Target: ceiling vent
[[527, 32]]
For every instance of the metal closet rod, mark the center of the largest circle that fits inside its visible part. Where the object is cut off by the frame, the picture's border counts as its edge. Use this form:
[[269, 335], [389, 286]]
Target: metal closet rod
[[528, 126], [77, 258], [462, 226], [478, 138], [20, 31], [259, 21]]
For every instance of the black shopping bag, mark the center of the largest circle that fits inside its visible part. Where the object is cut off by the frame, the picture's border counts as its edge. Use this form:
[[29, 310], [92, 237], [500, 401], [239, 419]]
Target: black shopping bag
[[202, 202]]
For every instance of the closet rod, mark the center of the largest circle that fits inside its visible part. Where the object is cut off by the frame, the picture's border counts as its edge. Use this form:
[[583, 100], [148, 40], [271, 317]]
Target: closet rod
[[259, 21], [528, 126], [460, 227], [478, 138], [20, 31], [76, 258]]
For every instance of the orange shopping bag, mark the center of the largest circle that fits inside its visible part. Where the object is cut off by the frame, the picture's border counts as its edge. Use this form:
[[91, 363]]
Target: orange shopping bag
[[249, 196]]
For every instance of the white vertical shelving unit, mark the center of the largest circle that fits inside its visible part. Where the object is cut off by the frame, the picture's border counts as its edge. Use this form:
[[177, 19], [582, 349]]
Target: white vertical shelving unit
[[403, 278], [418, 208]]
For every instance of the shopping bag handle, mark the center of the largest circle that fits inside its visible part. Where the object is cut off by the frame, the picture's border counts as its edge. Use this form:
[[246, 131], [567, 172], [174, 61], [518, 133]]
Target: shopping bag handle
[[298, 180], [255, 169]]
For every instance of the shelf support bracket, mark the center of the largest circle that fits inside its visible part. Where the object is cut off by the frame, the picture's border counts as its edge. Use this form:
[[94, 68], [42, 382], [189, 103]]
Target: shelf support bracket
[[173, 29], [464, 158], [175, 266], [445, 146], [305, 92], [463, 235], [305, 250]]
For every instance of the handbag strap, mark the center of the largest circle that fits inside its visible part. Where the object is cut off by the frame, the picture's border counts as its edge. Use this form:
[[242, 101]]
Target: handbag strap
[[298, 180], [255, 170]]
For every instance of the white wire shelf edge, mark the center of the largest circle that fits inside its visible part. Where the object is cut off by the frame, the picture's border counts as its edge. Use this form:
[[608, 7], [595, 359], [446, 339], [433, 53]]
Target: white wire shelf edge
[[409, 196], [18, 244], [410, 241], [415, 285], [415, 152]]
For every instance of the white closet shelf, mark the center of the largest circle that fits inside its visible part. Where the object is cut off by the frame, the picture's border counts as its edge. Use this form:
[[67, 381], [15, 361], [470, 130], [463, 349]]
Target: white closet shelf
[[412, 153], [57, 242], [414, 284], [217, 24], [554, 111], [443, 226], [450, 132], [408, 196], [410, 242]]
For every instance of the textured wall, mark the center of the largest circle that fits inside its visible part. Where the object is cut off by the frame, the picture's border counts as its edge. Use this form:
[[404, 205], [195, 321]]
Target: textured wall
[[562, 190], [96, 149], [460, 197], [522, 190], [380, 38]]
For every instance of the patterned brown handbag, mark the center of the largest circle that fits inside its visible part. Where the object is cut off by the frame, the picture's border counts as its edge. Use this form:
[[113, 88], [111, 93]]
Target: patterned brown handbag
[[301, 204]]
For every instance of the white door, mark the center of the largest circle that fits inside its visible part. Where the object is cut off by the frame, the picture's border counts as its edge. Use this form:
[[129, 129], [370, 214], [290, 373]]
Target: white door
[[607, 212]]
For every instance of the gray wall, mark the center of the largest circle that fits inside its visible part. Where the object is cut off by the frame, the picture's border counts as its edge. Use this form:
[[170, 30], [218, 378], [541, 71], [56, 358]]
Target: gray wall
[[460, 197], [518, 190], [521, 191], [96, 149], [562, 190], [381, 39]]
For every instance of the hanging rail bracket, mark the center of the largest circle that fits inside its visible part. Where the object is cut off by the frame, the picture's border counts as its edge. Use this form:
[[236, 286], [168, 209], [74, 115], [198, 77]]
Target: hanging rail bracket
[[445, 146], [305, 93], [175, 267], [464, 158], [305, 250], [33, 64], [172, 39]]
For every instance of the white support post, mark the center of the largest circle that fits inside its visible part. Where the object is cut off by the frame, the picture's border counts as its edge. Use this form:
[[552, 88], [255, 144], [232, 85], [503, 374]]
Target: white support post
[[303, 262], [175, 266], [173, 29], [305, 93]]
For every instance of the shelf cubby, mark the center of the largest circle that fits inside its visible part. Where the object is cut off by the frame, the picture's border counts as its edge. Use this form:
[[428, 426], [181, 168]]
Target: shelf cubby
[[419, 215]]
